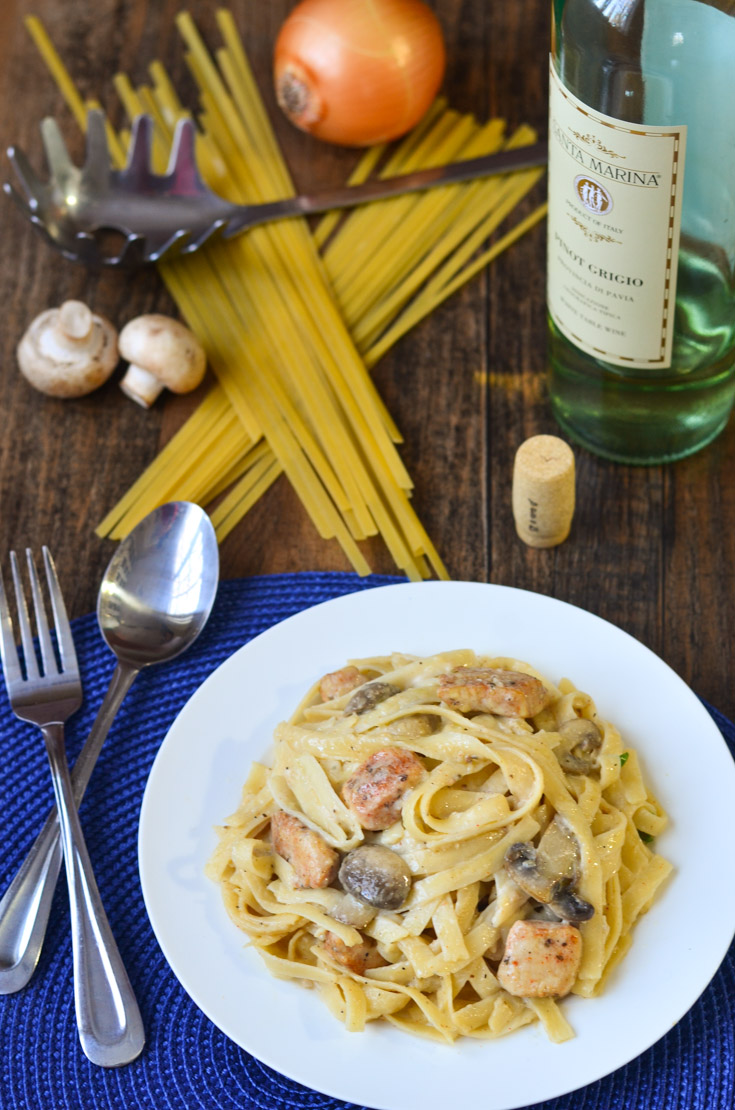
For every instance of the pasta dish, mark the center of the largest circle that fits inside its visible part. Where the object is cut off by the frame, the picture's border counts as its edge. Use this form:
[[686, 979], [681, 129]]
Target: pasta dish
[[451, 844]]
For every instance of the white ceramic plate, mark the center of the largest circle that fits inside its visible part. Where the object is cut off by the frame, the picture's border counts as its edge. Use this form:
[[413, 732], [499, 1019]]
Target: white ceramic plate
[[195, 782]]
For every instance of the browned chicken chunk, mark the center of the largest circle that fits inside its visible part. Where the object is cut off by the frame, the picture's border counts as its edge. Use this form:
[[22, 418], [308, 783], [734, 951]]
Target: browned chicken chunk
[[337, 683], [355, 957], [375, 791], [541, 959], [490, 690], [315, 864]]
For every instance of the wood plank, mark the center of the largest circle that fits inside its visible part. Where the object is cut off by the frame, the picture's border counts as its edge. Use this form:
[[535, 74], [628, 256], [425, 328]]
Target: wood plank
[[651, 549]]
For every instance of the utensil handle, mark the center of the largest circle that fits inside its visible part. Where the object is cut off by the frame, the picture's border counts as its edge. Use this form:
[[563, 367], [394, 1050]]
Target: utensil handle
[[26, 904], [486, 165], [108, 1018], [122, 679]]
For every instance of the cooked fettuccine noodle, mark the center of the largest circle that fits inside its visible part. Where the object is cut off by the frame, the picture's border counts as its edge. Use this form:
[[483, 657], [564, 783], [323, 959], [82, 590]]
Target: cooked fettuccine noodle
[[449, 844]]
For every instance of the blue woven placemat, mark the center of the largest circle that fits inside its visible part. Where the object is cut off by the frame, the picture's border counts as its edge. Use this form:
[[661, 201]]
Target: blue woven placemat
[[187, 1063]]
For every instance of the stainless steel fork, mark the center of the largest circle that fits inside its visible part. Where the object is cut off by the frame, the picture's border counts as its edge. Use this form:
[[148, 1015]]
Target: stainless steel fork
[[109, 1022]]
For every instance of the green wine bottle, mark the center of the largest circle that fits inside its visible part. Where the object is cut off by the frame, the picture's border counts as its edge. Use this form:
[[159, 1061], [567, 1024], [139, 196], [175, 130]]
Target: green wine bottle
[[641, 232]]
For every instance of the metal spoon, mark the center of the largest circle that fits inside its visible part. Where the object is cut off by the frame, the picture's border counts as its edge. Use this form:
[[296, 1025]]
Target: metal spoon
[[155, 598], [160, 216]]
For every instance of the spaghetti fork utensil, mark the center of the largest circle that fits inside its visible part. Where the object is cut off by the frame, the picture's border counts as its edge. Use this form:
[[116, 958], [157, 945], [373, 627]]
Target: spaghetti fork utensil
[[160, 216], [110, 1027]]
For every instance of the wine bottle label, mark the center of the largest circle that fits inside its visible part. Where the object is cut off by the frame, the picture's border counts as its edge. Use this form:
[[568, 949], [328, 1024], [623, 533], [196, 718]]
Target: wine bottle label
[[615, 193]]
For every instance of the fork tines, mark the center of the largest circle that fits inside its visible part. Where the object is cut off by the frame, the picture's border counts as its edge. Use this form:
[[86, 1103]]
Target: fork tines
[[8, 652]]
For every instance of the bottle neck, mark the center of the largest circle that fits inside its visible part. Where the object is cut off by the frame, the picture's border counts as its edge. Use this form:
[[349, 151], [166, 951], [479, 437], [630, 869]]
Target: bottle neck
[[597, 51]]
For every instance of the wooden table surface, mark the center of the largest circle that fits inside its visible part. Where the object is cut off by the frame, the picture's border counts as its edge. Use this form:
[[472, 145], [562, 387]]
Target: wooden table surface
[[651, 549]]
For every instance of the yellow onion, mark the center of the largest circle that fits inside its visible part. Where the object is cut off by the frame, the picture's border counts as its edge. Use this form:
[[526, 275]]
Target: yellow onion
[[357, 72]]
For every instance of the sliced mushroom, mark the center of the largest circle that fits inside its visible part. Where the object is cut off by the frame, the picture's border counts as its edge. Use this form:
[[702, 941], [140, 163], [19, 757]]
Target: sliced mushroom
[[541, 911], [413, 727], [548, 874], [521, 863], [582, 739], [376, 875], [352, 911], [558, 850], [566, 903], [370, 695]]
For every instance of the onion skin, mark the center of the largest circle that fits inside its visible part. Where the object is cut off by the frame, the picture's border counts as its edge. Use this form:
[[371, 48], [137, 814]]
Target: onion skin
[[358, 72]]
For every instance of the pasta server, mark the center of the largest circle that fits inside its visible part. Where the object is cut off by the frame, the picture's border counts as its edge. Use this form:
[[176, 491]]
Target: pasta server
[[162, 216]]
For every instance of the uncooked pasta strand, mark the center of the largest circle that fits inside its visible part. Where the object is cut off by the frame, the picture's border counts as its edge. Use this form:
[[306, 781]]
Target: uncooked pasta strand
[[327, 333], [316, 306], [171, 460], [184, 285], [58, 70], [387, 217], [355, 462], [249, 104], [244, 495], [447, 222], [411, 292], [372, 226], [365, 523], [424, 305], [361, 172], [244, 462], [461, 213]]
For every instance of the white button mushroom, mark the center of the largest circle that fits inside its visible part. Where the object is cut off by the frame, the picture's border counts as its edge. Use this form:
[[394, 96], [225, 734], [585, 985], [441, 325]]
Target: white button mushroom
[[162, 354], [377, 875], [68, 351]]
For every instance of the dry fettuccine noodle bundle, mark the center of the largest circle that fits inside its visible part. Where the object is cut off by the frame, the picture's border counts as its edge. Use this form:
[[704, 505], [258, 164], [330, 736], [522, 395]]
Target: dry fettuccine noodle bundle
[[292, 320]]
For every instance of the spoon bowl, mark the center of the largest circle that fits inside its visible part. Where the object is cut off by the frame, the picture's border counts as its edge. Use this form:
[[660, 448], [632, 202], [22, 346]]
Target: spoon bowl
[[159, 586], [155, 598]]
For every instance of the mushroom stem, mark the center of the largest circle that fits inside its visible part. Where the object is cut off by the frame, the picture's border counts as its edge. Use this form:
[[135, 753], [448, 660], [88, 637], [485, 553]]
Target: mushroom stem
[[75, 321], [141, 386], [70, 333]]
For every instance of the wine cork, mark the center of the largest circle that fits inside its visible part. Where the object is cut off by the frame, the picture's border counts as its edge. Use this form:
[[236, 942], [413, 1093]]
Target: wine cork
[[543, 491]]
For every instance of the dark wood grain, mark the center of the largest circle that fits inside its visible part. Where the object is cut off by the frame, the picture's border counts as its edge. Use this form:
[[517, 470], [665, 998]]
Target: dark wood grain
[[652, 549]]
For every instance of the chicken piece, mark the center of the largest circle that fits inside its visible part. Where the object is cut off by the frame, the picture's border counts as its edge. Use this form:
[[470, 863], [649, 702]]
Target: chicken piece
[[315, 864], [541, 959], [337, 683], [375, 791], [356, 957], [490, 690]]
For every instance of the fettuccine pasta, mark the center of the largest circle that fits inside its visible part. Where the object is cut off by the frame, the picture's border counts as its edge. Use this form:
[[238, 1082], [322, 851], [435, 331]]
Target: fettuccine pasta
[[451, 844]]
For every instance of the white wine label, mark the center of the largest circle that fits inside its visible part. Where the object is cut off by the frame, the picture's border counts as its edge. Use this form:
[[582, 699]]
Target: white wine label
[[615, 193]]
